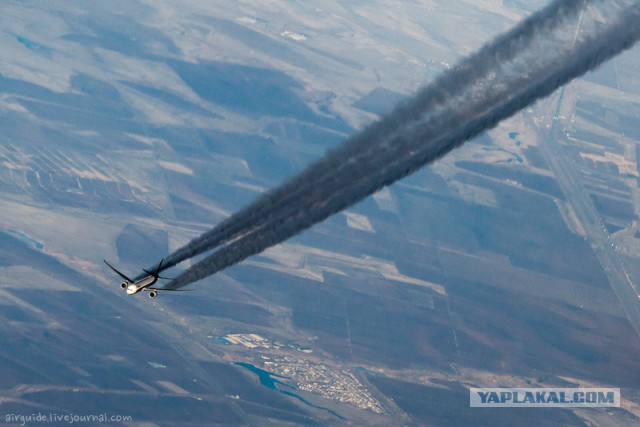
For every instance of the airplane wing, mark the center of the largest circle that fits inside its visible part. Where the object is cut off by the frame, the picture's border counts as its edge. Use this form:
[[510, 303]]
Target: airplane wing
[[118, 273], [168, 290]]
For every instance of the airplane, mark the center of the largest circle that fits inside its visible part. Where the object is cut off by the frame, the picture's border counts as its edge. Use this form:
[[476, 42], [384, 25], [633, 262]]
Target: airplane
[[143, 284]]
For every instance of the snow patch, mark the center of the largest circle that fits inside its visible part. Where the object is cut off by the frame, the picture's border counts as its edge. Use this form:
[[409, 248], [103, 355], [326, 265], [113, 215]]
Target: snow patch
[[295, 36], [175, 167], [359, 222]]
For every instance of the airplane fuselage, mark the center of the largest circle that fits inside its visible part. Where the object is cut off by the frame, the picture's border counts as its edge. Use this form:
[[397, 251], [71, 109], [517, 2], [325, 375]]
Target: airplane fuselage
[[140, 285]]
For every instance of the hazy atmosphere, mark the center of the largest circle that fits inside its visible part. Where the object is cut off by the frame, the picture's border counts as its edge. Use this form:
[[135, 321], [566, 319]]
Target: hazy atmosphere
[[133, 131]]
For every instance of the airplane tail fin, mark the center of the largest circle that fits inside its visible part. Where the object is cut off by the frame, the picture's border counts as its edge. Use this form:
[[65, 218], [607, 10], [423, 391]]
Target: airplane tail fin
[[159, 267], [156, 272]]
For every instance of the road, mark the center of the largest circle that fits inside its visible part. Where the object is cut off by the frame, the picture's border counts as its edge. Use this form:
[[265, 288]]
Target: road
[[569, 179]]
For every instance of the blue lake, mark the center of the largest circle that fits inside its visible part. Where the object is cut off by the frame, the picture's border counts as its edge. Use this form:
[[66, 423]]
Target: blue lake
[[32, 45], [221, 340], [516, 156], [269, 380], [26, 239]]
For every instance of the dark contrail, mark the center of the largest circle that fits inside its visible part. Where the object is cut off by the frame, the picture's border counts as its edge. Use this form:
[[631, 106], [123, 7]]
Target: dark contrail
[[323, 173], [537, 57]]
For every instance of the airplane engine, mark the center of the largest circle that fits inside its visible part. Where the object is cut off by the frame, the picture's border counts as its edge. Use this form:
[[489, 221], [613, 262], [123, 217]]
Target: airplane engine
[[124, 285], [152, 294]]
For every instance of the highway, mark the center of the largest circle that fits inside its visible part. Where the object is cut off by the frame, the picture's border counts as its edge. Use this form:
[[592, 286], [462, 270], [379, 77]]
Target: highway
[[569, 179]]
